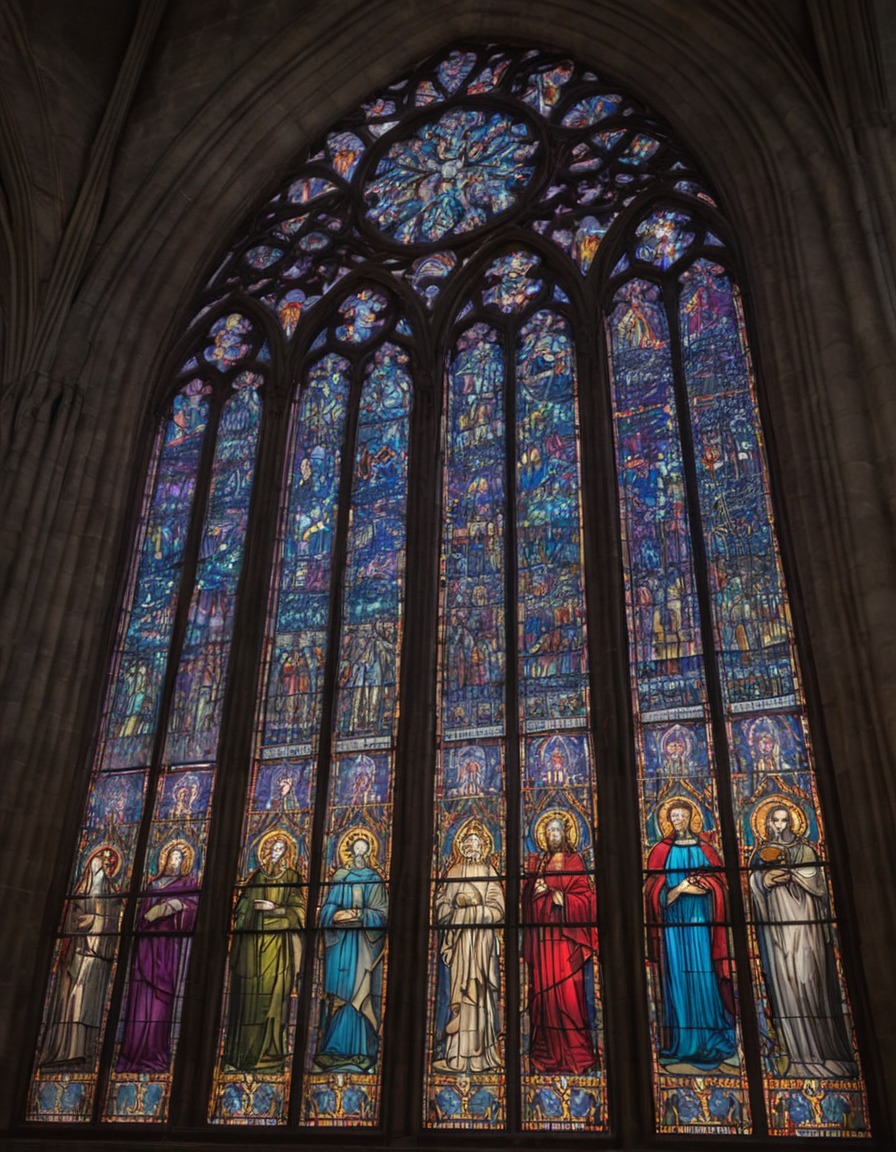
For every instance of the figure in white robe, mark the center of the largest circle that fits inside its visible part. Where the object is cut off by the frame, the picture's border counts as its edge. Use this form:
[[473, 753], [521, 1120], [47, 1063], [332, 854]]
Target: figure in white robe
[[469, 902], [792, 913]]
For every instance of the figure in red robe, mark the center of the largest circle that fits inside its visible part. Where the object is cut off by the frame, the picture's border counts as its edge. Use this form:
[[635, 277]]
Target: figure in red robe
[[559, 946]]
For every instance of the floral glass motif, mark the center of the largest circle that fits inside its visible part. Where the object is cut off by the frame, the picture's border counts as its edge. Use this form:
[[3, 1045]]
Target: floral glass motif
[[361, 317], [429, 274], [289, 309], [513, 281], [451, 176], [608, 150], [228, 346], [413, 184]]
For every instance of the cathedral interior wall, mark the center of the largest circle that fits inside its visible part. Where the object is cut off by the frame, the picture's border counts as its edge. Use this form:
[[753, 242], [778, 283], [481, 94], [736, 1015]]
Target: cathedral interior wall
[[136, 136]]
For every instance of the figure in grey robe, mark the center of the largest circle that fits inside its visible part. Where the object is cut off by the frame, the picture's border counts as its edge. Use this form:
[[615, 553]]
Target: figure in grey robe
[[792, 912]]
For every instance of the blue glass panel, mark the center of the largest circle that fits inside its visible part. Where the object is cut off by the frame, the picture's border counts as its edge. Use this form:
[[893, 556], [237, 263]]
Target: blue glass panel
[[698, 1072], [553, 679], [465, 1083], [303, 608], [473, 660], [751, 616], [202, 673], [811, 1076], [375, 557], [664, 621], [150, 1016]]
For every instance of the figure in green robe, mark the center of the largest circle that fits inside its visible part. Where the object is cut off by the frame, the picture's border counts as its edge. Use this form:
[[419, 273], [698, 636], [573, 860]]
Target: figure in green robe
[[264, 959]]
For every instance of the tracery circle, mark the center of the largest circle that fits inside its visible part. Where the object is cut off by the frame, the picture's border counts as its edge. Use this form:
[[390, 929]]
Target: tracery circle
[[453, 175]]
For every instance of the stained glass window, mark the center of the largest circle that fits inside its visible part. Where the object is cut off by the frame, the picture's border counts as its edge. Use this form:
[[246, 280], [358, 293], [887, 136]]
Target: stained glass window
[[493, 294], [190, 551]]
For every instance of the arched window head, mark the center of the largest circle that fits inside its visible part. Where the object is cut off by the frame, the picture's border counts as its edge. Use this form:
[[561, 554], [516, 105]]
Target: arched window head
[[372, 589]]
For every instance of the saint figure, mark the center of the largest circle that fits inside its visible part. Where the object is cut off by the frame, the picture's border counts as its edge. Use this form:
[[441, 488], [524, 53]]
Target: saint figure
[[353, 917], [468, 903], [85, 964], [264, 958], [676, 747], [686, 913], [165, 918], [792, 914], [560, 948]]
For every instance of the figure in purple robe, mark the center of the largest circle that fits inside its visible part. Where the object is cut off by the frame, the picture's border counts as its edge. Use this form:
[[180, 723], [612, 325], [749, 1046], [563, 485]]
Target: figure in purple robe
[[164, 922]]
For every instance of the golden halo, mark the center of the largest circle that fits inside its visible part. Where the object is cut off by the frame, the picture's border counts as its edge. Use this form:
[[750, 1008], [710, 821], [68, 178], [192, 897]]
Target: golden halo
[[344, 851], [569, 823], [473, 825], [265, 843], [799, 822], [116, 852], [679, 802], [186, 847]]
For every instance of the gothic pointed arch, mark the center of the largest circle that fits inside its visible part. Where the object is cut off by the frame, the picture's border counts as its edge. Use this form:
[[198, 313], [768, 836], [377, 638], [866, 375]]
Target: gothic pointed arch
[[455, 272]]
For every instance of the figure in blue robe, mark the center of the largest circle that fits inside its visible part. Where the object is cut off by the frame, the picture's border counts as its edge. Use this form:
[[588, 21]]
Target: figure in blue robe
[[686, 910], [353, 917]]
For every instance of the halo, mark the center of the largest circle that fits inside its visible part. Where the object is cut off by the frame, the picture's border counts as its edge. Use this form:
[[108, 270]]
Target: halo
[[470, 825], [116, 852], [569, 823], [292, 848], [188, 780], [359, 832], [679, 733], [679, 801], [362, 761], [555, 740], [799, 821], [470, 752], [763, 725], [185, 846]]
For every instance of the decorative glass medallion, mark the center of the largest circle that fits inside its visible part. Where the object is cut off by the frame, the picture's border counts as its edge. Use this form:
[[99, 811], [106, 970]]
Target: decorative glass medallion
[[453, 175], [664, 237]]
